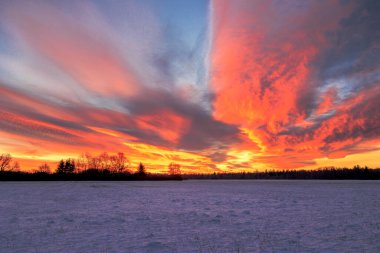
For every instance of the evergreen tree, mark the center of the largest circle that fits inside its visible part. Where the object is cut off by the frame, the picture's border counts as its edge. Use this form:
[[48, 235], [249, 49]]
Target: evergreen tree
[[141, 169], [61, 167], [69, 166]]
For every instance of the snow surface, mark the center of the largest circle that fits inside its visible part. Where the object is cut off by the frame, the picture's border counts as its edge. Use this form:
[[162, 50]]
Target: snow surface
[[190, 216]]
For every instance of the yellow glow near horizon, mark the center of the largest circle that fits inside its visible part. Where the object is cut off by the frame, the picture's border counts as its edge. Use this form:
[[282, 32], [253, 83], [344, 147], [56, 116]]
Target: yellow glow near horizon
[[370, 159]]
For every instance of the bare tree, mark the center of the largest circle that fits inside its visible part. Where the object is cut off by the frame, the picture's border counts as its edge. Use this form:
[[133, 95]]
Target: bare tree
[[82, 163], [93, 162], [174, 169], [44, 168], [114, 163], [119, 163], [5, 162], [104, 159], [15, 166]]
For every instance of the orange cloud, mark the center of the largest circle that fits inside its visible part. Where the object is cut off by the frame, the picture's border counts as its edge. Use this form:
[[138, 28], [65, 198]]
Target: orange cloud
[[167, 124], [263, 77], [288, 86]]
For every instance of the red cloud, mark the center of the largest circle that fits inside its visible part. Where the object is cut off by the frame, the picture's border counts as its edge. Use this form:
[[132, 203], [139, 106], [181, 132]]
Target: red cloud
[[263, 75]]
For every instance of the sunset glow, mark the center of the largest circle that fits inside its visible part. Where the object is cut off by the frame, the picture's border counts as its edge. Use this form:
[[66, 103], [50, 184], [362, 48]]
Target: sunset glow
[[211, 85]]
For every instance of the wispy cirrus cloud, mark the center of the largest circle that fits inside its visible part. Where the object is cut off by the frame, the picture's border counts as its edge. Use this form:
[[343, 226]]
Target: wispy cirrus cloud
[[123, 90]]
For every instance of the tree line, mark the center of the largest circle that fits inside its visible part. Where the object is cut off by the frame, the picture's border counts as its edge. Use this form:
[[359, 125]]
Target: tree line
[[117, 167], [86, 167], [325, 173]]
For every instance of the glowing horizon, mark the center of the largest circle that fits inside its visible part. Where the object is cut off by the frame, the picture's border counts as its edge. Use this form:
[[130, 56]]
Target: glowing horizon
[[211, 85]]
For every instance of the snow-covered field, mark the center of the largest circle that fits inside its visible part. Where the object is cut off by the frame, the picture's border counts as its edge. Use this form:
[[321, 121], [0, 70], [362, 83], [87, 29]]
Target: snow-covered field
[[190, 216]]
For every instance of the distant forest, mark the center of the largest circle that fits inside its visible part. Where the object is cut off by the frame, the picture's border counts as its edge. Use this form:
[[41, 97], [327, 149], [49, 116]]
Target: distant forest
[[327, 173], [117, 167], [86, 167]]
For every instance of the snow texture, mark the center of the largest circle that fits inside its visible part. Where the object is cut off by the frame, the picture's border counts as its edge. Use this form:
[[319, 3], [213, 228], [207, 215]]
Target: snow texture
[[190, 216]]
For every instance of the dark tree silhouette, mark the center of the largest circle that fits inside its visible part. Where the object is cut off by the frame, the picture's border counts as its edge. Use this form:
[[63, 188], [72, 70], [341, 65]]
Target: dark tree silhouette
[[113, 167], [61, 167], [119, 162], [43, 168], [5, 162], [174, 169], [141, 169], [15, 166], [67, 166]]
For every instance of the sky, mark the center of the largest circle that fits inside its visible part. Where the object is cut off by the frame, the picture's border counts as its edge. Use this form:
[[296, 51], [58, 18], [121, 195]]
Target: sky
[[211, 85]]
